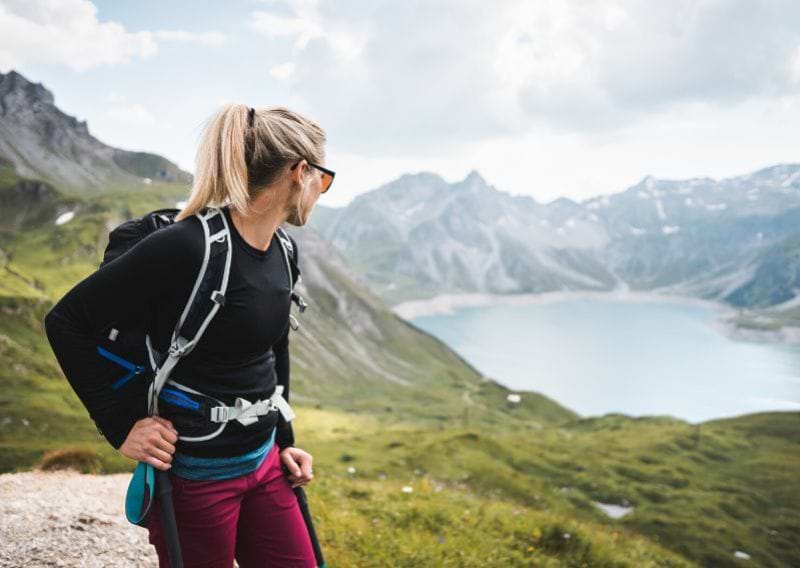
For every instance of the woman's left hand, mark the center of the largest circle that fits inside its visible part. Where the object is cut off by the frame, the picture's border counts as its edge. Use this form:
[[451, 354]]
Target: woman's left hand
[[298, 464]]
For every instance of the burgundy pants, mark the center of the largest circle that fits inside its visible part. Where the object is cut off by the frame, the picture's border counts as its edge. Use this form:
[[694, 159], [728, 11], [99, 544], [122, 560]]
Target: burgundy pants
[[255, 518]]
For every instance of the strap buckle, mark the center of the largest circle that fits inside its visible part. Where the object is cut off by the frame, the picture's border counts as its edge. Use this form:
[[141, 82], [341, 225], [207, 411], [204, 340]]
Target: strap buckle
[[219, 414]]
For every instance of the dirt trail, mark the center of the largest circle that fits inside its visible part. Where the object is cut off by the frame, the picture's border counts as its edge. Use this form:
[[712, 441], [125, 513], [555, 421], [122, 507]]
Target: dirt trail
[[65, 518]]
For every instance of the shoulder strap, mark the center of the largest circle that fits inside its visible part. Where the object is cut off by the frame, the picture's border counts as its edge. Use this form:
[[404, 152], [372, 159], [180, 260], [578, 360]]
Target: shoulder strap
[[290, 256], [207, 296]]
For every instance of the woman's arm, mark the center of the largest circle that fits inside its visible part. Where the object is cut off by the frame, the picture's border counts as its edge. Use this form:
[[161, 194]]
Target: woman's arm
[[284, 436], [121, 291]]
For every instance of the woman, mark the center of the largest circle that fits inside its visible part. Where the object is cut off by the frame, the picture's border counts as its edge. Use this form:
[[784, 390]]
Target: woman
[[231, 497]]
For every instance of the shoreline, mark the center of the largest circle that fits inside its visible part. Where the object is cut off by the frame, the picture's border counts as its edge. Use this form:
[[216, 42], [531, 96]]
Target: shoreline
[[447, 304]]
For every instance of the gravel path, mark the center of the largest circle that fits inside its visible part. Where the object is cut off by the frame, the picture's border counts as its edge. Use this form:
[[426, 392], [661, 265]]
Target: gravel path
[[65, 518]]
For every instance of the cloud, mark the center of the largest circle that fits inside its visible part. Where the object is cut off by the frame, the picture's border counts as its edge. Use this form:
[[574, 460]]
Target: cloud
[[402, 77], [213, 39], [67, 32], [301, 21]]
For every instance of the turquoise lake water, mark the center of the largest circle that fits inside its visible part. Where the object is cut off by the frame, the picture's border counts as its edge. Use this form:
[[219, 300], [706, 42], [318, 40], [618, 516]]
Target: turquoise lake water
[[639, 358]]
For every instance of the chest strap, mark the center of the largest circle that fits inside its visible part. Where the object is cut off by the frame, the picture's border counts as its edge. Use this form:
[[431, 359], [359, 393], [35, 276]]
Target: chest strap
[[247, 412]]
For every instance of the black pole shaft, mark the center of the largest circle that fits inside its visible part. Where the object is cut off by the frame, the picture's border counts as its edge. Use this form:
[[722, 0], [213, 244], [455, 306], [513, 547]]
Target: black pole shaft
[[301, 499], [164, 486]]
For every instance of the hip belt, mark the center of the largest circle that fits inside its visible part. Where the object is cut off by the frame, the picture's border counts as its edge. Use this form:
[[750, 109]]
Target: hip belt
[[247, 412], [201, 417]]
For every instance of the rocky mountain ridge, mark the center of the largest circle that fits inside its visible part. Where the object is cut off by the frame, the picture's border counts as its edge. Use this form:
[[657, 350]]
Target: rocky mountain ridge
[[43, 142], [419, 236]]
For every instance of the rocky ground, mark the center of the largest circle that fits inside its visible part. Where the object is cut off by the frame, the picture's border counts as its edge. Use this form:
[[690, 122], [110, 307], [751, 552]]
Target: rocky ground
[[65, 518]]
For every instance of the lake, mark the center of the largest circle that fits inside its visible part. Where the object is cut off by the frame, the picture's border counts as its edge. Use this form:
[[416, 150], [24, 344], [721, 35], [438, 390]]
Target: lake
[[637, 354]]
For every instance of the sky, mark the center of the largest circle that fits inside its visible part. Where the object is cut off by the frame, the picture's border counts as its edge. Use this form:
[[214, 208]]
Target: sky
[[572, 98]]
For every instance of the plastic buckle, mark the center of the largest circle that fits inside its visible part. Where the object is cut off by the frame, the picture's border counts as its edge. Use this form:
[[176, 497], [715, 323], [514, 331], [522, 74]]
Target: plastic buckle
[[219, 414], [218, 297]]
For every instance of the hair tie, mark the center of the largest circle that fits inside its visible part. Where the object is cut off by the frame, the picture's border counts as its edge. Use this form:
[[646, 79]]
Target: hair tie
[[250, 115]]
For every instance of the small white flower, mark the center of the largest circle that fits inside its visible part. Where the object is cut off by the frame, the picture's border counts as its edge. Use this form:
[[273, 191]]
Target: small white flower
[[407, 489], [351, 469]]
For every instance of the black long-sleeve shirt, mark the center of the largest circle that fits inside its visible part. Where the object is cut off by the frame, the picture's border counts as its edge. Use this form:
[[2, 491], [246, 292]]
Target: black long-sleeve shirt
[[244, 351]]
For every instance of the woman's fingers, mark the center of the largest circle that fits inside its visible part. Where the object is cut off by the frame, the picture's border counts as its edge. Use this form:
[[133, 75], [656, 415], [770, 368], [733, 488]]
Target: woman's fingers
[[305, 467], [165, 445], [167, 433], [160, 454], [157, 463]]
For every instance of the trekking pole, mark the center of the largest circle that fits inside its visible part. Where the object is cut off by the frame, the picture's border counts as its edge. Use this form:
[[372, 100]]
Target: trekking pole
[[164, 486], [301, 498], [303, 502]]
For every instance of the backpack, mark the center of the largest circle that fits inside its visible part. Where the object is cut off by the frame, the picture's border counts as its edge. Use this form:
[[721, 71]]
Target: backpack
[[137, 372]]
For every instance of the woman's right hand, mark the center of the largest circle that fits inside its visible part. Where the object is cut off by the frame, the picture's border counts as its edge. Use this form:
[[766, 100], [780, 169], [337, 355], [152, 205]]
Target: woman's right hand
[[151, 440]]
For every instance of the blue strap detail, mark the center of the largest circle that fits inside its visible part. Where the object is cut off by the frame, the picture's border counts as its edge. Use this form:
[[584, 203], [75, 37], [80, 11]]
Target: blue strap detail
[[178, 398], [134, 369], [143, 482]]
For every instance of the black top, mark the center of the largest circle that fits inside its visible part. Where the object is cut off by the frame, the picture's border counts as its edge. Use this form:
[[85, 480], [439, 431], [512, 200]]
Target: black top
[[244, 351]]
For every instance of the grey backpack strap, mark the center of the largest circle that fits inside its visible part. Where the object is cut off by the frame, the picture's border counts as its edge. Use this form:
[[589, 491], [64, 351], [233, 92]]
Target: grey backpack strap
[[291, 267], [207, 296], [288, 251]]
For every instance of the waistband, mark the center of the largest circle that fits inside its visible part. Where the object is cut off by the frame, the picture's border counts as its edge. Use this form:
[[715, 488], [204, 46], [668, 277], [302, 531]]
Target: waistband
[[196, 468]]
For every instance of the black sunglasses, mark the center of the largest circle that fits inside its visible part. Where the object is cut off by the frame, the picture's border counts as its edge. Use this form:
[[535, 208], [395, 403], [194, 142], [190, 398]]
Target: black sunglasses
[[327, 175]]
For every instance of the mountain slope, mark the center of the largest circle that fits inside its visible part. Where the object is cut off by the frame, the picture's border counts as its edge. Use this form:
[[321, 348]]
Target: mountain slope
[[44, 143]]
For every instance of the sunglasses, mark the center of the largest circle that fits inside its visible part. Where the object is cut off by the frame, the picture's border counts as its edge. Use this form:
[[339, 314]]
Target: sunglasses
[[327, 175]]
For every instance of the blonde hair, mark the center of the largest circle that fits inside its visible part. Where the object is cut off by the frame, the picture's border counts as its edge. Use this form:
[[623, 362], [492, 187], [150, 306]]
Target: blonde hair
[[235, 161]]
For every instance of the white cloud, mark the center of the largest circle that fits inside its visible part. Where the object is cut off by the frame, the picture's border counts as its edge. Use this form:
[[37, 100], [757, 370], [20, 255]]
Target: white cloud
[[67, 32], [302, 21], [181, 36], [400, 77]]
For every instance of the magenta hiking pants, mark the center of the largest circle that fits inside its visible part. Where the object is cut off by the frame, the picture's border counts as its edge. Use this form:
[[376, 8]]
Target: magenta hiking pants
[[255, 518]]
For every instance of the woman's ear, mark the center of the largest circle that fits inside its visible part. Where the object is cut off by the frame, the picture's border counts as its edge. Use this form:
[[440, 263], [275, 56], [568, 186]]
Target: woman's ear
[[299, 172]]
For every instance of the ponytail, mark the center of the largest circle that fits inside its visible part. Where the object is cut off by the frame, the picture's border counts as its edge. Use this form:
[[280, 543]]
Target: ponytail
[[236, 161]]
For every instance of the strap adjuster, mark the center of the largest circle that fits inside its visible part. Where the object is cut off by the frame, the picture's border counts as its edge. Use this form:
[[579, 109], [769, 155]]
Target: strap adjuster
[[219, 414]]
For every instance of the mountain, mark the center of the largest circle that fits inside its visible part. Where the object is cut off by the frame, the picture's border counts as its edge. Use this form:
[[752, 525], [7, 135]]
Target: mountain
[[44, 143], [419, 236]]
